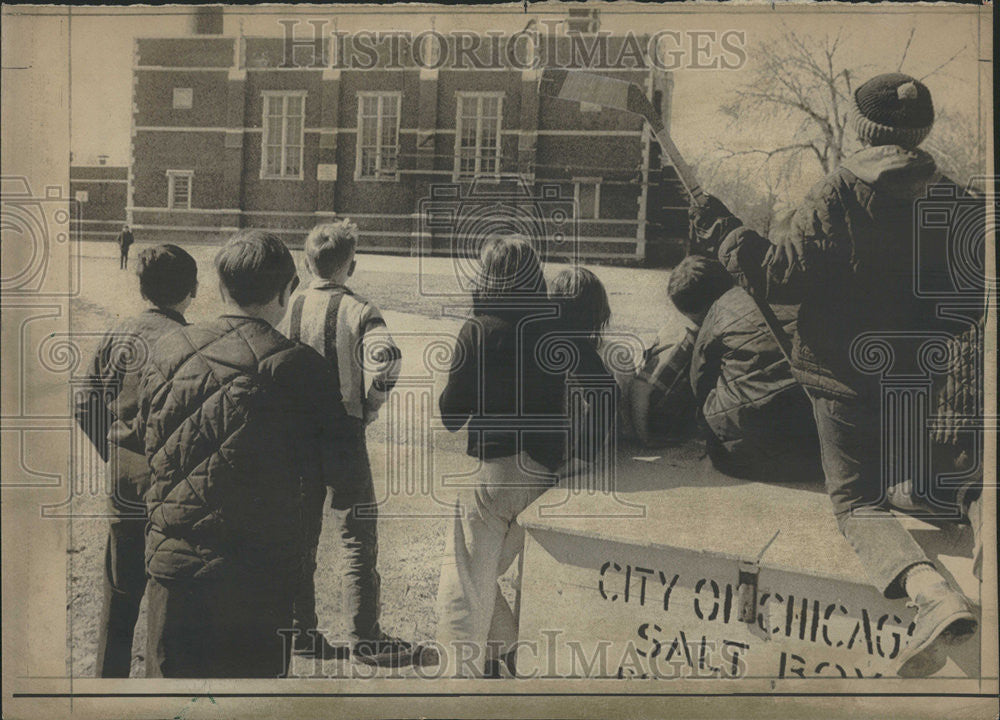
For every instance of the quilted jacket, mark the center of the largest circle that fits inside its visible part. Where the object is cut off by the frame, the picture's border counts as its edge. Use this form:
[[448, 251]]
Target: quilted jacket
[[240, 426], [742, 383], [857, 229]]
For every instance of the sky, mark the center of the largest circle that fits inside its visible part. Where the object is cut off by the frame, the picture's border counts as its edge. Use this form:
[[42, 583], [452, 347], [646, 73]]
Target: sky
[[102, 45]]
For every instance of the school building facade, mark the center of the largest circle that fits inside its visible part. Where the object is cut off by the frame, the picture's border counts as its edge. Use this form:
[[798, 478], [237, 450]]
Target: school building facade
[[101, 194], [234, 132]]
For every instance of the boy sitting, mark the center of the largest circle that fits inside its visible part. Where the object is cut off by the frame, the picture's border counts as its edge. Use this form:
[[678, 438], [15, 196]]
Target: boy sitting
[[658, 400], [168, 281], [759, 419], [848, 257], [241, 427], [351, 334]]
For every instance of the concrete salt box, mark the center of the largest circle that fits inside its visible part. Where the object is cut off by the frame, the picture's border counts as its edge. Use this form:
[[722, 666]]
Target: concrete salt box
[[682, 572]]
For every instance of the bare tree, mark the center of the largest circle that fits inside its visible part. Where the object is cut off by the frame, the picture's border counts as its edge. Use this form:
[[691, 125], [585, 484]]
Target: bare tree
[[804, 79], [803, 86]]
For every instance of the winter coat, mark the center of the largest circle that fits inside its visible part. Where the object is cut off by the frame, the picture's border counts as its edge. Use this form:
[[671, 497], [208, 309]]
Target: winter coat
[[505, 387], [743, 384], [857, 229], [241, 429], [125, 240], [109, 402]]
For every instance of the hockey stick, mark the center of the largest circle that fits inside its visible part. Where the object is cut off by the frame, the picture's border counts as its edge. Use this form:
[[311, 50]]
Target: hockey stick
[[578, 86]]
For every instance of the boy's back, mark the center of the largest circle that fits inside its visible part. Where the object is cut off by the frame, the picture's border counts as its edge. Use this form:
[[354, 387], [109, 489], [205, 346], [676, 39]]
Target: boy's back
[[236, 420], [337, 323]]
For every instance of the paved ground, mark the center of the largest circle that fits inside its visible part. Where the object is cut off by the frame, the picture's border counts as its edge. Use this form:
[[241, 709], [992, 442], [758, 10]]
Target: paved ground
[[413, 293]]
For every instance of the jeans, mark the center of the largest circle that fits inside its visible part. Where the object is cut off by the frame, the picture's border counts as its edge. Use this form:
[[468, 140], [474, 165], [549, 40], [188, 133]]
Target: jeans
[[483, 542], [124, 585], [218, 628], [357, 528], [851, 451]]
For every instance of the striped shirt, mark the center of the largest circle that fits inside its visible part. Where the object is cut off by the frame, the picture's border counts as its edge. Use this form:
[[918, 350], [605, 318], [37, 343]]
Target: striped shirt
[[350, 332]]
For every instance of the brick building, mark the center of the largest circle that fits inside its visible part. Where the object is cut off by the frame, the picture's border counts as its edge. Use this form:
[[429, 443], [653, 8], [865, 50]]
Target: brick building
[[233, 132], [101, 192]]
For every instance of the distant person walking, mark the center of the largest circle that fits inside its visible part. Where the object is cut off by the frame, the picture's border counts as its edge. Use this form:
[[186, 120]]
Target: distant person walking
[[125, 240]]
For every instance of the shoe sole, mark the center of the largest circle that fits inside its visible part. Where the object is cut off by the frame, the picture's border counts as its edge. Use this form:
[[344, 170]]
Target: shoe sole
[[951, 631], [419, 658]]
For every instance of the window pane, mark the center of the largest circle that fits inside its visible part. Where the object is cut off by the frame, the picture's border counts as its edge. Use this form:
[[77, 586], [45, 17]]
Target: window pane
[[293, 131], [272, 135], [588, 201], [273, 105], [294, 105], [272, 163], [367, 162], [293, 160], [369, 105], [369, 129], [467, 107], [390, 105]]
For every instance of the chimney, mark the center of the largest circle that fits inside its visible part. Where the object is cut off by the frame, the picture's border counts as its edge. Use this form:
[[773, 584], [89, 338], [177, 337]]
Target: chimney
[[583, 20], [207, 20]]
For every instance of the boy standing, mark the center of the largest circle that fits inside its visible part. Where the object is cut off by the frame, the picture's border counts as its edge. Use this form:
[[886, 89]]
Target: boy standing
[[660, 403], [125, 240], [240, 426], [168, 281], [351, 334], [849, 259]]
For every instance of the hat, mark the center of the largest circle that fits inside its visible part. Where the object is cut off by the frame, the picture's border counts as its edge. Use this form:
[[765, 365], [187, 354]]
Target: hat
[[892, 109]]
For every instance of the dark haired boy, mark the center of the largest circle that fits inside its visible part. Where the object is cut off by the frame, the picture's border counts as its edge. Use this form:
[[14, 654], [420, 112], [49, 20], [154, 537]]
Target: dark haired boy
[[349, 331], [240, 430], [168, 281], [660, 403], [125, 242]]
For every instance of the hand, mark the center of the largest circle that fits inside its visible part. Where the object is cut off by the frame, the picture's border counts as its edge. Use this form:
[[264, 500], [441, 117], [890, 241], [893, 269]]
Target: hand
[[369, 415], [710, 222], [787, 251]]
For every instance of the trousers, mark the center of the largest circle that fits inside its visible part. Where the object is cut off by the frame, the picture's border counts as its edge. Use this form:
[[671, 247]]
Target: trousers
[[483, 541]]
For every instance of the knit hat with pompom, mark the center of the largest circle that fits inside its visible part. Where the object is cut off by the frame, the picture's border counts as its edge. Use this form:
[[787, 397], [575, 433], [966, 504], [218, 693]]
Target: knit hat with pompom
[[892, 109]]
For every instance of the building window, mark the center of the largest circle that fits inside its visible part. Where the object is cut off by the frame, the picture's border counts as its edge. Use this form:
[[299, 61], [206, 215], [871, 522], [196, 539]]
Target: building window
[[378, 135], [477, 134], [82, 196], [179, 189], [183, 98], [587, 193], [281, 156]]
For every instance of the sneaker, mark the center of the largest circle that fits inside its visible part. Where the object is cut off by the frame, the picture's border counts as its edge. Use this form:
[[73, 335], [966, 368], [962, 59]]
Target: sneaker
[[313, 644], [390, 651], [943, 618]]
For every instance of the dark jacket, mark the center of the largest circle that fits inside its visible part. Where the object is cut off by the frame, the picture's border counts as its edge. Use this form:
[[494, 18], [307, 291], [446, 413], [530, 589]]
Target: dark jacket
[[498, 386], [240, 426], [592, 403], [743, 384], [857, 228], [109, 400], [125, 240]]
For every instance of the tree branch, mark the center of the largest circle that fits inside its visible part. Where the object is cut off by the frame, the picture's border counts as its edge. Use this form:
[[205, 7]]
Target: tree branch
[[943, 65], [906, 49]]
